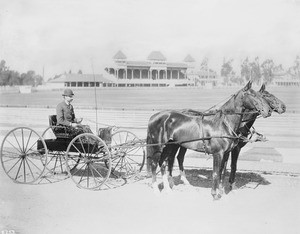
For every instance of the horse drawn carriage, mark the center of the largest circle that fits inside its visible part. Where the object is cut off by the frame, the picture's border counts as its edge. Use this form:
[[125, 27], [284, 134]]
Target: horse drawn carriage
[[90, 160]]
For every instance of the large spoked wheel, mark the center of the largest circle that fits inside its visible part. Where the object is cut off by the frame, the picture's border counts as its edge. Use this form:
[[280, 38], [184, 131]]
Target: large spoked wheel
[[23, 155], [87, 157], [128, 157]]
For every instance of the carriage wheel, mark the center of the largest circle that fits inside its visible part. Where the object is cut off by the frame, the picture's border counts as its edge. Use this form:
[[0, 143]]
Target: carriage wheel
[[127, 158], [56, 161], [86, 159], [23, 155]]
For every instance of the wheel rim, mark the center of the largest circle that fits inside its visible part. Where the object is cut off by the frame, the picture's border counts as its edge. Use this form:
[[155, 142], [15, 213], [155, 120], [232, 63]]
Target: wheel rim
[[23, 155], [48, 134], [128, 158], [88, 161]]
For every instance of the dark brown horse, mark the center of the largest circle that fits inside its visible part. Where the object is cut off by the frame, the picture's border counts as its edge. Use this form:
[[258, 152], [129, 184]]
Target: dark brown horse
[[276, 105], [212, 134]]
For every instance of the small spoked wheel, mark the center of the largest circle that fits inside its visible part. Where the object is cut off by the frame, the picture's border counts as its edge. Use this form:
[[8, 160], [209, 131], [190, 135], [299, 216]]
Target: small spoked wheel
[[87, 157], [23, 155], [128, 157]]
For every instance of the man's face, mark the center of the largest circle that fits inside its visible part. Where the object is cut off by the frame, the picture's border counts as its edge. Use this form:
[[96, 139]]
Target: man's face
[[69, 99]]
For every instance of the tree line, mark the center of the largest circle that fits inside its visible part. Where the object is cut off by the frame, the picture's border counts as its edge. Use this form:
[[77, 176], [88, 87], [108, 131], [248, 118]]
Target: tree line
[[258, 72], [10, 77], [254, 70]]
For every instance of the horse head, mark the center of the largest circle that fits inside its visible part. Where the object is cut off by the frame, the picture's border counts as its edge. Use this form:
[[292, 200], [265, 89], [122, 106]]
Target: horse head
[[253, 100], [275, 103]]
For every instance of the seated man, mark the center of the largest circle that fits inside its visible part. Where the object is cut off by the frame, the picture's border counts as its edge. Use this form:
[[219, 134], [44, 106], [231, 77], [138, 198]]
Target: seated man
[[66, 117]]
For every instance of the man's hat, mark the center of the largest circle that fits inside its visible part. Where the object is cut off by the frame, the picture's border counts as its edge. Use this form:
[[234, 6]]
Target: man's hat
[[68, 92]]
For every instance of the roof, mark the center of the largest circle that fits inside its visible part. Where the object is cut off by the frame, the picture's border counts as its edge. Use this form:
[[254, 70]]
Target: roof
[[138, 63], [120, 55], [176, 65], [189, 59], [80, 78], [156, 55]]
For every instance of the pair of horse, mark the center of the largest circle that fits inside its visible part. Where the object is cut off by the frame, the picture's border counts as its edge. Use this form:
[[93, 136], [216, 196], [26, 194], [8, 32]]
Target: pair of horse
[[214, 133]]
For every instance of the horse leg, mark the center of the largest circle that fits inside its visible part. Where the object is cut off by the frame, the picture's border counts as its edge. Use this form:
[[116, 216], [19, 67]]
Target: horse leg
[[180, 159], [168, 153], [170, 170], [215, 191], [223, 170], [153, 164], [234, 157]]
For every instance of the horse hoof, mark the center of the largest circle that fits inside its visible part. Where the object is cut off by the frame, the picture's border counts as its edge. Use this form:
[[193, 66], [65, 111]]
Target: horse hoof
[[221, 191], [233, 187], [185, 182], [171, 183], [217, 197]]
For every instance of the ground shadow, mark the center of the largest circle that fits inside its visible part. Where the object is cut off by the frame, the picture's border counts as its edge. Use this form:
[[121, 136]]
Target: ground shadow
[[203, 178]]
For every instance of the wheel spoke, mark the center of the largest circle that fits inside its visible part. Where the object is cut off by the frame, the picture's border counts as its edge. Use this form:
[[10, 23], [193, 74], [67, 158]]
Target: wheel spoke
[[25, 150], [14, 165], [82, 174], [61, 163], [78, 169], [82, 146], [17, 142], [19, 170], [72, 158], [93, 175], [55, 163], [97, 171], [73, 145], [130, 159], [88, 177], [14, 146], [29, 169], [24, 170], [117, 163], [35, 143], [34, 164], [8, 160]]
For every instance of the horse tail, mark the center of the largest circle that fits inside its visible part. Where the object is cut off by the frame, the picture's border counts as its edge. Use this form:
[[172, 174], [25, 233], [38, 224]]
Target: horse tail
[[148, 153]]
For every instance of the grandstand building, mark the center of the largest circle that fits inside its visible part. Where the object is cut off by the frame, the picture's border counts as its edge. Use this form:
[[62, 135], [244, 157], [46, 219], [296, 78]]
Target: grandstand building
[[155, 71]]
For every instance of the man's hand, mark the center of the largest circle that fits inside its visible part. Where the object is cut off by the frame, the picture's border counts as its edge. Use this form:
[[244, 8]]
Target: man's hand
[[74, 125], [79, 120]]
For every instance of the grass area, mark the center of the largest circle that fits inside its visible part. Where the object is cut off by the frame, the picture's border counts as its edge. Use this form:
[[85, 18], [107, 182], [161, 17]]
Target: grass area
[[146, 99]]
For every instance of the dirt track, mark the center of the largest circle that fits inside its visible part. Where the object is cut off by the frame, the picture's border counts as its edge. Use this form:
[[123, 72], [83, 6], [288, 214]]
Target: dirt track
[[268, 207]]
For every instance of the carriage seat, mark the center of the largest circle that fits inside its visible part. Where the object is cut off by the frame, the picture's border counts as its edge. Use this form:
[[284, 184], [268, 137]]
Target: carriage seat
[[59, 131]]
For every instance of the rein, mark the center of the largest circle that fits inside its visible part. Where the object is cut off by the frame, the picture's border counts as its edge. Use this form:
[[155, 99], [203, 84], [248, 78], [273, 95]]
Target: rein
[[141, 143]]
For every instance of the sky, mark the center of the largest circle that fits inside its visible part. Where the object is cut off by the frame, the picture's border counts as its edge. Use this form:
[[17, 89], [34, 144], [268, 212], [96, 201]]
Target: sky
[[55, 36]]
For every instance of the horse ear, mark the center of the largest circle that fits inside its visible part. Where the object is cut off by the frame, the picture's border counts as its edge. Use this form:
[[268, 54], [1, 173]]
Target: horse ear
[[263, 87], [248, 85]]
